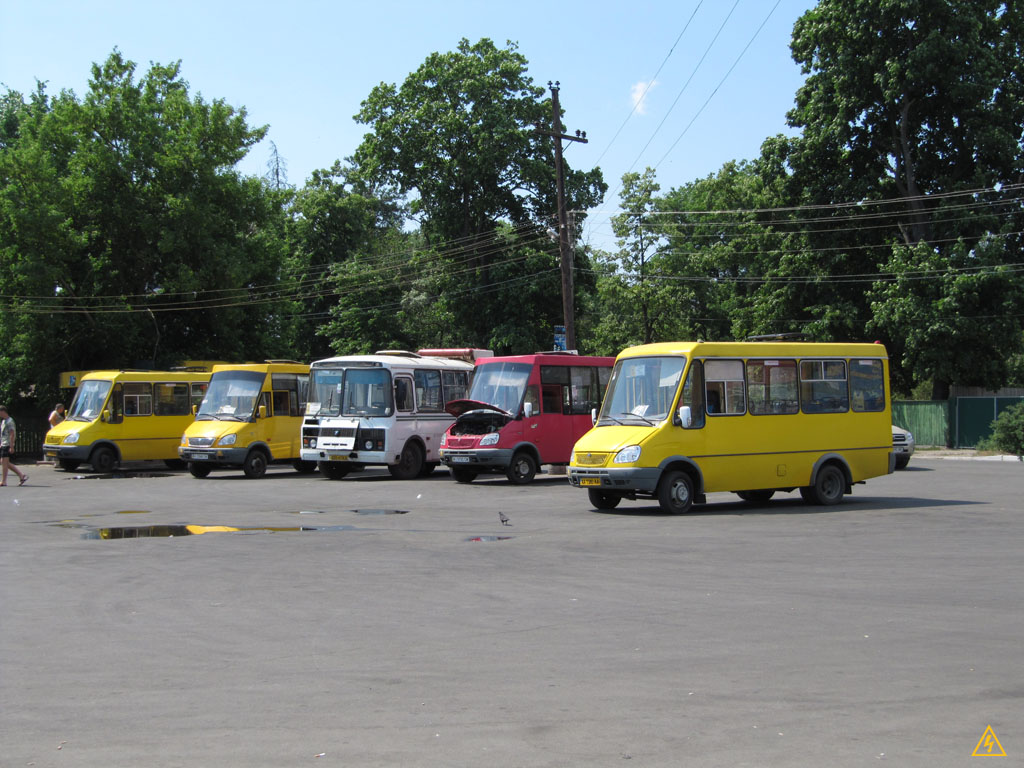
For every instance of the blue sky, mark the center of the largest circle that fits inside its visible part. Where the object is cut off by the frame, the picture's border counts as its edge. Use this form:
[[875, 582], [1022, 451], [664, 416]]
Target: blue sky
[[304, 67]]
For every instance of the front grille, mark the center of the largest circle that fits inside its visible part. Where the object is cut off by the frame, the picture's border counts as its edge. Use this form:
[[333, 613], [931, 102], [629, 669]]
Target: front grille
[[899, 439], [590, 459], [200, 442]]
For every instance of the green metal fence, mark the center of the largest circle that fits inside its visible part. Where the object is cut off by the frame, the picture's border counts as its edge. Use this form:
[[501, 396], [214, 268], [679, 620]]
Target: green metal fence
[[928, 420], [974, 417]]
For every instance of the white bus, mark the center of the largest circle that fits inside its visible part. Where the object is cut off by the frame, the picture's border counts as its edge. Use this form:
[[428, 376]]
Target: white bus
[[383, 409]]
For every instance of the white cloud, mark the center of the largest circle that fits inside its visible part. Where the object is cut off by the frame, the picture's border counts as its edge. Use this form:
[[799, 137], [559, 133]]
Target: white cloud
[[638, 94]]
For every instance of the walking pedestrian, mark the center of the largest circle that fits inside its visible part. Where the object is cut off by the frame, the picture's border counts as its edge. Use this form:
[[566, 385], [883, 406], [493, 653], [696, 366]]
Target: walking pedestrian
[[7, 434], [57, 414]]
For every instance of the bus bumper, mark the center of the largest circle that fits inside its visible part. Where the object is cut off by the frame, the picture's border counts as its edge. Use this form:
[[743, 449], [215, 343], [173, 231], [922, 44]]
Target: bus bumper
[[66, 452], [353, 457], [626, 480], [223, 457], [497, 458]]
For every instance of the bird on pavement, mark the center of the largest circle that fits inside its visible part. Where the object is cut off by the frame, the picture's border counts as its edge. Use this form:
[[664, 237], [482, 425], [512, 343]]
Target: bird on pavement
[[504, 520]]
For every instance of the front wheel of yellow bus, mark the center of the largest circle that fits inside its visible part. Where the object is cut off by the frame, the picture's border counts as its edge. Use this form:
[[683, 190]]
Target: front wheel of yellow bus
[[675, 492]]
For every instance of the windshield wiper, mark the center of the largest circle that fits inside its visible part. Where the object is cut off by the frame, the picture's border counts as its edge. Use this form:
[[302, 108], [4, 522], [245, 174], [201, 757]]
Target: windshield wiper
[[79, 418], [205, 417], [637, 416], [607, 418]]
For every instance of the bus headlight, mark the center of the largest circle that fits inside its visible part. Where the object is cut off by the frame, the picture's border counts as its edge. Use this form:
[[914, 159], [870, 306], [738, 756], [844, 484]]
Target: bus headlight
[[227, 440], [627, 455], [70, 438], [491, 438], [312, 442]]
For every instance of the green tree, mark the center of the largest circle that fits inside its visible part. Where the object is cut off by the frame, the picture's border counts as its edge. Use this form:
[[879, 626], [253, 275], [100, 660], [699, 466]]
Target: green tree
[[458, 142], [920, 101], [126, 235]]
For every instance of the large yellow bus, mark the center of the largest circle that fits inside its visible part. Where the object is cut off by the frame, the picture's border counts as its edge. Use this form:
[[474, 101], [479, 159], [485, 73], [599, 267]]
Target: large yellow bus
[[251, 417], [684, 419], [119, 416]]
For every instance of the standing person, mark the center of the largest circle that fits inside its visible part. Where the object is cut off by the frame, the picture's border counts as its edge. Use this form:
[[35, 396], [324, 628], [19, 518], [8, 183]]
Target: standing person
[[57, 414], [7, 433]]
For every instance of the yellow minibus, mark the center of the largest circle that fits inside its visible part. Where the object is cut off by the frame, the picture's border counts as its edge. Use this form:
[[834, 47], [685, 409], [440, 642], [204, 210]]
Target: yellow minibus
[[119, 416], [684, 419], [251, 417]]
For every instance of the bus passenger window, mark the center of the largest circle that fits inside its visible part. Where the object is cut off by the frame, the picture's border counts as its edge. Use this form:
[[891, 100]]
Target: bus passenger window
[[823, 386], [428, 391], [138, 398], [552, 398], [771, 387], [867, 385], [725, 386], [455, 385], [403, 394]]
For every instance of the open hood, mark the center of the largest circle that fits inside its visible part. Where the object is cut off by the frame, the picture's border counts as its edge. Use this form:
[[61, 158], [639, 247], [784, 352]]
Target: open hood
[[458, 407]]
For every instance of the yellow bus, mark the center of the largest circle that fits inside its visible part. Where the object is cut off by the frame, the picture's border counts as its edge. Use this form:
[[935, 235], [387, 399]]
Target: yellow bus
[[684, 419], [251, 416], [119, 416]]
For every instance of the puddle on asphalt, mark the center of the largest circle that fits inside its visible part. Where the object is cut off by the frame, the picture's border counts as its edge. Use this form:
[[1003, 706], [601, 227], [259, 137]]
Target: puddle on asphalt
[[175, 531], [381, 511], [122, 475], [490, 538]]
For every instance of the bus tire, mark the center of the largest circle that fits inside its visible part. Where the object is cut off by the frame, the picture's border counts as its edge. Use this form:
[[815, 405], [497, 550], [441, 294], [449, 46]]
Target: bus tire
[[103, 459], [255, 464], [199, 470], [828, 489], [522, 470], [70, 465], [410, 463], [675, 492], [304, 467], [428, 468], [174, 463], [463, 475], [333, 470], [603, 499], [756, 497]]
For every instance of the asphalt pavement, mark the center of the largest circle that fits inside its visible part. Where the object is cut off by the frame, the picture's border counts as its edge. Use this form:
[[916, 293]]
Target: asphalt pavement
[[370, 622]]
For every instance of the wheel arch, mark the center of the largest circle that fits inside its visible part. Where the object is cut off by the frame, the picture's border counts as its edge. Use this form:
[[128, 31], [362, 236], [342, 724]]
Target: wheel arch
[[832, 458], [104, 444], [686, 464], [530, 448]]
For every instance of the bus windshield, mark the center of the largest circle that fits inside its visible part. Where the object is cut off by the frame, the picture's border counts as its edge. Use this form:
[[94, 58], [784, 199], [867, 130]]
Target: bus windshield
[[500, 384], [231, 396], [350, 392], [89, 400], [641, 390]]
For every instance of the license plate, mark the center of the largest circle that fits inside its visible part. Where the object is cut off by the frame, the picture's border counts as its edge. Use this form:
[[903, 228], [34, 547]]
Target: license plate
[[460, 459], [51, 454], [590, 481], [199, 456], [338, 458]]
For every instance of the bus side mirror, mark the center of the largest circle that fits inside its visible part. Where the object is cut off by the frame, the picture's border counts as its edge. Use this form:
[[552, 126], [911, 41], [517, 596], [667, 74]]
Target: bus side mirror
[[263, 411], [528, 409], [593, 416], [685, 416], [195, 409], [105, 416]]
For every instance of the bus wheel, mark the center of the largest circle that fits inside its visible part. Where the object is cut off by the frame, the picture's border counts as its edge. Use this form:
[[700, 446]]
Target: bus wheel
[[333, 470], [675, 492], [828, 488], [463, 475], [174, 463], [103, 459], [409, 464], [428, 468], [304, 467], [522, 470], [602, 500], [255, 464], [68, 464], [199, 470], [755, 497]]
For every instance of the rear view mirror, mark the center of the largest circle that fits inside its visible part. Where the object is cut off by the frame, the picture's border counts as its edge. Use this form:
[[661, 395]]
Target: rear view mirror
[[593, 416], [528, 409], [105, 416], [195, 409], [263, 411], [685, 416]]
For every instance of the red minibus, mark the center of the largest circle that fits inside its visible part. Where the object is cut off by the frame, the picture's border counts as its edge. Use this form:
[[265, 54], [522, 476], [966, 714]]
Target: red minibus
[[523, 411]]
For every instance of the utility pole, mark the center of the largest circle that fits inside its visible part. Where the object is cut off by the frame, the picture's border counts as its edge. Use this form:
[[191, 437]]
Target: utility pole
[[564, 247]]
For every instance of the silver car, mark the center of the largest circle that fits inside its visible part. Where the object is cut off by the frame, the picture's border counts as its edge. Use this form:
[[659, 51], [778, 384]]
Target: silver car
[[902, 446]]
